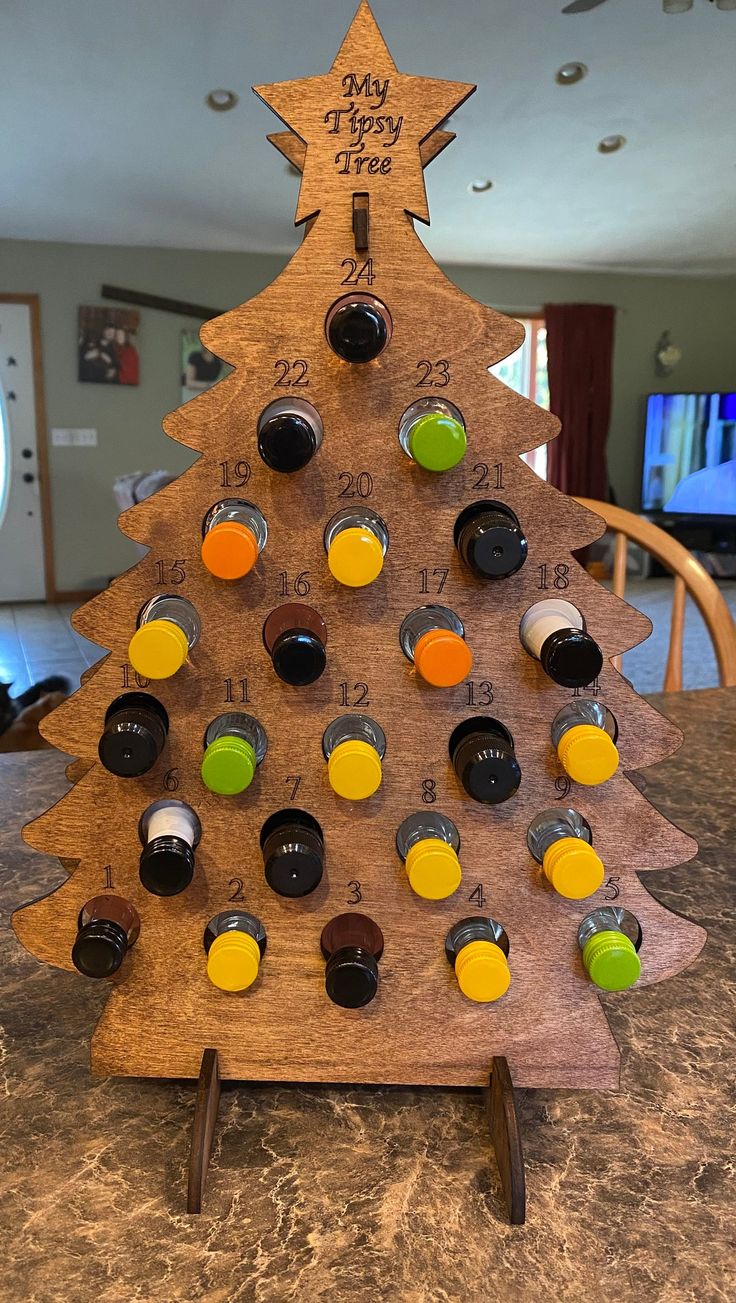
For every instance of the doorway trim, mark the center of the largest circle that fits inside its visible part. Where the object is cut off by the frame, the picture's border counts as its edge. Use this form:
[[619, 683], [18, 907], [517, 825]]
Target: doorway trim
[[32, 302]]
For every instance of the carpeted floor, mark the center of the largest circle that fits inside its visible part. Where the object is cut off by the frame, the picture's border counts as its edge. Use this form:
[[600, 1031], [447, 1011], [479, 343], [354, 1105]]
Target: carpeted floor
[[645, 664]]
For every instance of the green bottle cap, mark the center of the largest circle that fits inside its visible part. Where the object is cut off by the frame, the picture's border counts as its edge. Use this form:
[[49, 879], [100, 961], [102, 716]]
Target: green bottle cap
[[228, 765], [611, 961], [437, 442]]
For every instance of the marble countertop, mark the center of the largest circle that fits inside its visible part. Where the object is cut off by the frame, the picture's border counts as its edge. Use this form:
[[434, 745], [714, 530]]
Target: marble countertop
[[348, 1194]]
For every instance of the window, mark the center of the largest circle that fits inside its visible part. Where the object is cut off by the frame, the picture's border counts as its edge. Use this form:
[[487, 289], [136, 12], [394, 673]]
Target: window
[[526, 372]]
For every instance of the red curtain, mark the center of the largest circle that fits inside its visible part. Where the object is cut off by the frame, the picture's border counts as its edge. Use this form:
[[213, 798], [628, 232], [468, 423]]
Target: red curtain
[[579, 361]]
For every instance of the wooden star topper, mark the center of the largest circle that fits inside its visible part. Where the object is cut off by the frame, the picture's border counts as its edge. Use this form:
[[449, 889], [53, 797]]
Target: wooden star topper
[[363, 124]]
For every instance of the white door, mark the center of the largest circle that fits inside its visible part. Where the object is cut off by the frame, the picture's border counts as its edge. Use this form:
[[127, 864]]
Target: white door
[[21, 524]]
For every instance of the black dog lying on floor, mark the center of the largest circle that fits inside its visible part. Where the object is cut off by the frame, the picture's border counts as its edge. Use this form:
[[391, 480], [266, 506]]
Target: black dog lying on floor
[[20, 716]]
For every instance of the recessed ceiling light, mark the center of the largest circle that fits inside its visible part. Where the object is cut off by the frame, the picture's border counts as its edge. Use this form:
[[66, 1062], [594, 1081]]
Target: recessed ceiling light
[[479, 187], [569, 73], [221, 100], [611, 144]]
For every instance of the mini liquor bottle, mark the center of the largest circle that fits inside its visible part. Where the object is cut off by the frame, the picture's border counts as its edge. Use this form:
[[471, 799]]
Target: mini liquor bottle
[[432, 433], [168, 629], [584, 734], [433, 637], [477, 948], [295, 638], [553, 631], [234, 533], [170, 832], [560, 840], [293, 852], [136, 727], [609, 940], [108, 926], [358, 327], [289, 433], [354, 746], [356, 542], [483, 757], [234, 943], [352, 944], [235, 744], [428, 843], [490, 540]]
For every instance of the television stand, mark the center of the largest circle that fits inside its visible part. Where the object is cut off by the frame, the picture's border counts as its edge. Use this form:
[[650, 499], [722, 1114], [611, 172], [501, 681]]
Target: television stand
[[711, 539]]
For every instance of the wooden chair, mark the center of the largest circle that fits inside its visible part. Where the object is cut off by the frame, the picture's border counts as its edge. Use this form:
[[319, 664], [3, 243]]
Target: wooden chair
[[690, 577]]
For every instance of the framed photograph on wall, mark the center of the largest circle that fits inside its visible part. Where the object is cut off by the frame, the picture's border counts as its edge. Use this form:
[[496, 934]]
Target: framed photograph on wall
[[200, 369], [108, 346]]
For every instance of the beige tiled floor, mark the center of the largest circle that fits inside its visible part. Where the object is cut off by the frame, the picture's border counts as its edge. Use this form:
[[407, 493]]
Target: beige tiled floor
[[36, 640]]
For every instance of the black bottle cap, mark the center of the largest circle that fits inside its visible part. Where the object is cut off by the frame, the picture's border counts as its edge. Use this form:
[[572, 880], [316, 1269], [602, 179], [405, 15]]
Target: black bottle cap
[[351, 977], [287, 442], [490, 541], [166, 866], [135, 731], [100, 948], [357, 331], [482, 753], [298, 657], [571, 658], [293, 852]]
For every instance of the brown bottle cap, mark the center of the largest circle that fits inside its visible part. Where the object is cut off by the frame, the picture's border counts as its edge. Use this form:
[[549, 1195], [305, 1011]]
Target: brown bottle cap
[[293, 615], [117, 910], [355, 930]]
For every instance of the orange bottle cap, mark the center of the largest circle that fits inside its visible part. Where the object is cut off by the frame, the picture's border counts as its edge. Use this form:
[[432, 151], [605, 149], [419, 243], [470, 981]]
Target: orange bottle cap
[[443, 658], [229, 550]]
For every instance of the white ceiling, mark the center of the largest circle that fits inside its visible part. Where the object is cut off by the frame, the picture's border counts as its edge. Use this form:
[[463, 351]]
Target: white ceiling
[[107, 140]]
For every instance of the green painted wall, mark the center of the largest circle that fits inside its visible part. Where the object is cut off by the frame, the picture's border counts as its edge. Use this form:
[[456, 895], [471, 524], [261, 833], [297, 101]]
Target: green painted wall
[[701, 313]]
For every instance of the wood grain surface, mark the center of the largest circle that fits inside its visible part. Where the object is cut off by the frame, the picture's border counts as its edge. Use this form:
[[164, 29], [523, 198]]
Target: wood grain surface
[[163, 1012], [503, 1124]]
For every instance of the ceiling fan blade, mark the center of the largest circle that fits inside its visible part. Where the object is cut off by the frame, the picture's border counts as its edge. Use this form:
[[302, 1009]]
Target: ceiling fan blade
[[582, 6]]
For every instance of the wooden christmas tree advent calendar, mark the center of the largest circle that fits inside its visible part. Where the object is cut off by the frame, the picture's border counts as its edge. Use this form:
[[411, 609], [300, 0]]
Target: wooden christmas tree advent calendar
[[370, 470]]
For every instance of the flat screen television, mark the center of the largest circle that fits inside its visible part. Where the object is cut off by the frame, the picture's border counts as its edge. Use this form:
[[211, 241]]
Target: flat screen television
[[690, 455]]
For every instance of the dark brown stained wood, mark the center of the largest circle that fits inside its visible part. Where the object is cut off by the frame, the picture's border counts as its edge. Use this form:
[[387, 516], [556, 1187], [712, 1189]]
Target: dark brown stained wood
[[206, 1105], [361, 222], [163, 1011], [506, 1139], [157, 301]]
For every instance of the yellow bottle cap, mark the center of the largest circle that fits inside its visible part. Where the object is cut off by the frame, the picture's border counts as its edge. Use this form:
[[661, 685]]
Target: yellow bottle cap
[[233, 961], [573, 868], [433, 869], [158, 649], [587, 754], [355, 557], [482, 971], [354, 770]]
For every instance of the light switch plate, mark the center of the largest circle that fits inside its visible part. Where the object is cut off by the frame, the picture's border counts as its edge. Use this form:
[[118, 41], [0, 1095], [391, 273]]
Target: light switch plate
[[61, 437]]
